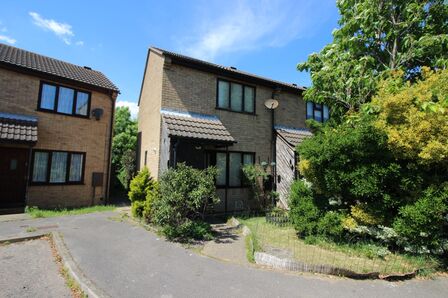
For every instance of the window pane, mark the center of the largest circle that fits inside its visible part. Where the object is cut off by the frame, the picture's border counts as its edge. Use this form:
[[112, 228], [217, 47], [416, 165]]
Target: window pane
[[318, 115], [40, 166], [326, 113], [236, 97], [58, 167], [222, 168], [249, 94], [82, 103], [248, 159], [223, 94], [47, 97], [309, 110], [76, 168], [65, 100], [235, 169]]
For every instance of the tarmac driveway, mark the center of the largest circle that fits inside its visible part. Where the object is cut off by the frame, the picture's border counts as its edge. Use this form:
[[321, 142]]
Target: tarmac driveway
[[125, 260]]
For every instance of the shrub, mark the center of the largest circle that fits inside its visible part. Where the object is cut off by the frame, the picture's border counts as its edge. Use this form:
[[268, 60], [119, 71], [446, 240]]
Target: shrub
[[184, 196], [152, 195], [423, 225], [142, 191], [304, 213], [137, 208], [256, 176], [330, 225]]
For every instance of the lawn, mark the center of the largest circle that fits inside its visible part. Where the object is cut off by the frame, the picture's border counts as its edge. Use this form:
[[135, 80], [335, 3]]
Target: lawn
[[360, 258], [41, 213]]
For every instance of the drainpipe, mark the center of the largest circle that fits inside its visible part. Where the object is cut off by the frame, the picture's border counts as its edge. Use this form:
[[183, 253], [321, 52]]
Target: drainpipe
[[274, 151], [109, 158]]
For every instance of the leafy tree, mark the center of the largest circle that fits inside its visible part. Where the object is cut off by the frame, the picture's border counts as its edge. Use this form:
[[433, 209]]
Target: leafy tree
[[375, 37], [124, 145], [415, 117]]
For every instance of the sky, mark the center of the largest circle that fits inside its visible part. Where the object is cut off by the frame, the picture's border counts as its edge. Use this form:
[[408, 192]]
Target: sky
[[267, 38]]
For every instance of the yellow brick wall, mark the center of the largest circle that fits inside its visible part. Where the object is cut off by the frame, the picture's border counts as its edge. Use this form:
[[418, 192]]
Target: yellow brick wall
[[149, 120], [19, 94]]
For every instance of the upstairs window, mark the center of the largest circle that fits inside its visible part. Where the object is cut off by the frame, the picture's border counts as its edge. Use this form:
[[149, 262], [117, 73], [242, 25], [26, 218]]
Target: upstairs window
[[318, 112], [64, 100], [235, 97]]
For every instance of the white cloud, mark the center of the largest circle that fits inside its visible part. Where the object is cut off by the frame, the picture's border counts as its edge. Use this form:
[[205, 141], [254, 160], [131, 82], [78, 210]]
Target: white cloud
[[79, 43], [250, 25], [133, 107], [62, 30], [7, 39]]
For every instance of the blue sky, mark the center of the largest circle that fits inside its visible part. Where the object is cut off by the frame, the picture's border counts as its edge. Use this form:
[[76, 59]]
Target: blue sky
[[267, 38]]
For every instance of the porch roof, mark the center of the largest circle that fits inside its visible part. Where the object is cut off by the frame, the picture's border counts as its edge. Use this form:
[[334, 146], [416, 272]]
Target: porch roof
[[293, 136], [18, 128], [195, 126]]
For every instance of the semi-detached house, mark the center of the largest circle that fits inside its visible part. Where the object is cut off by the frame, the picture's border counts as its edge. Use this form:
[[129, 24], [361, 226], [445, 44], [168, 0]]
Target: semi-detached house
[[55, 132], [205, 114]]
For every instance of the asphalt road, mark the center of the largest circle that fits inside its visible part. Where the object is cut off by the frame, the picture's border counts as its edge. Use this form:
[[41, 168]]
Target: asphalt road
[[125, 260], [28, 269]]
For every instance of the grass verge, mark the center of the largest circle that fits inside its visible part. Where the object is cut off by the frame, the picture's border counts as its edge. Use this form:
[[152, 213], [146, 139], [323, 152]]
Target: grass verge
[[357, 257], [43, 213]]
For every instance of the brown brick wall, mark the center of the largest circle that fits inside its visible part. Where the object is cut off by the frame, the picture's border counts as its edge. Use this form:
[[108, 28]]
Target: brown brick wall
[[19, 94]]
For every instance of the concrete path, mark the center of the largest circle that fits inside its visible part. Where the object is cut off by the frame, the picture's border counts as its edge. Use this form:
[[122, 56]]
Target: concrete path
[[28, 269], [125, 260], [229, 245]]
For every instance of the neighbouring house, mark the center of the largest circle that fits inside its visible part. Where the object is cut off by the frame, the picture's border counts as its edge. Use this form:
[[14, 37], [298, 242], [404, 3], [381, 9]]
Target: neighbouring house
[[205, 114], [55, 131]]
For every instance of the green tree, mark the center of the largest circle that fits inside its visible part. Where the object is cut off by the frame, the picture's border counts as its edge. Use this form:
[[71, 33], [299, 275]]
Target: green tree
[[374, 37], [124, 145]]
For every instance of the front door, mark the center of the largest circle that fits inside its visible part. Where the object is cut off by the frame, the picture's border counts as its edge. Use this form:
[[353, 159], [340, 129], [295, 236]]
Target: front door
[[13, 174]]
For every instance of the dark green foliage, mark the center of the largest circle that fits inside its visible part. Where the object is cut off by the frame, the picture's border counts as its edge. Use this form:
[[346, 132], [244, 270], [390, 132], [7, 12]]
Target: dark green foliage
[[351, 162], [124, 144], [185, 195], [330, 225], [304, 213], [189, 229], [425, 223]]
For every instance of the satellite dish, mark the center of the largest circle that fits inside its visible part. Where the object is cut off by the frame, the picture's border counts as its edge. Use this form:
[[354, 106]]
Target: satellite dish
[[271, 104]]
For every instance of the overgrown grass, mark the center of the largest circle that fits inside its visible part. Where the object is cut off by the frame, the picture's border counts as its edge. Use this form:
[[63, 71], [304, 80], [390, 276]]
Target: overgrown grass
[[43, 213], [358, 257]]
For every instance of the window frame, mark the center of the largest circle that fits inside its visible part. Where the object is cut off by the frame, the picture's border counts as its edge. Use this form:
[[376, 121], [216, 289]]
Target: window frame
[[229, 109], [227, 184], [314, 108], [56, 100], [67, 169]]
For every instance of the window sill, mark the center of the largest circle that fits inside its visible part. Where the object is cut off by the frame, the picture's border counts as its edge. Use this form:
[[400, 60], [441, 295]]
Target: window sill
[[232, 111], [55, 184], [62, 114]]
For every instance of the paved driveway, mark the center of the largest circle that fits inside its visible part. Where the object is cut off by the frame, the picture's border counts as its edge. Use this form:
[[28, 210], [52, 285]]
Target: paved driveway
[[125, 260]]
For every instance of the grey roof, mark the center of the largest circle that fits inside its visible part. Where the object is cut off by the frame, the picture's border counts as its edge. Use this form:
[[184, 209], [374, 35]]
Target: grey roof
[[228, 70], [195, 126], [32, 61], [293, 136], [18, 128]]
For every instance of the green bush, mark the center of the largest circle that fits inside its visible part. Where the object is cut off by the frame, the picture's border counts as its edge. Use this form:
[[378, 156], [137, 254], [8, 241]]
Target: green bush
[[142, 191], [330, 225], [137, 208], [185, 194], [303, 213], [423, 225]]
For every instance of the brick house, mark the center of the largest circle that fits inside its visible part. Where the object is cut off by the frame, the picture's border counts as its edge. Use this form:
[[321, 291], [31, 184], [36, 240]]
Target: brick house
[[205, 114], [55, 131]]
